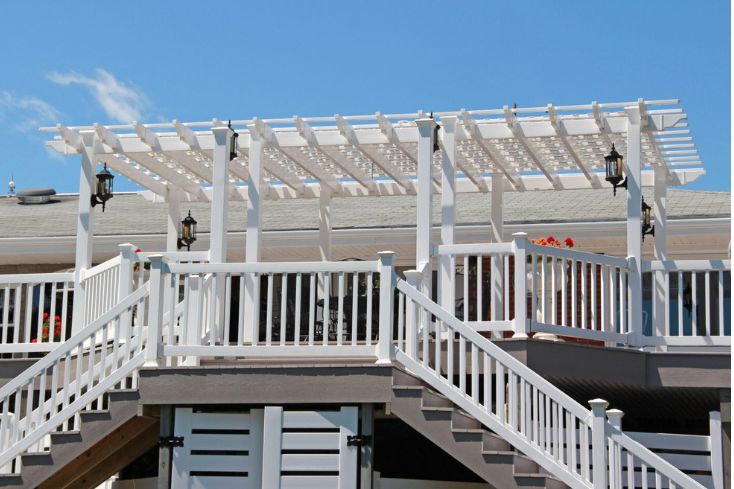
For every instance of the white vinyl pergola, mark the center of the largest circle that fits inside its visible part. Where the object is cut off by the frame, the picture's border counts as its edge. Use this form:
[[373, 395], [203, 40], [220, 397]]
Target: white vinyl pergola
[[489, 151]]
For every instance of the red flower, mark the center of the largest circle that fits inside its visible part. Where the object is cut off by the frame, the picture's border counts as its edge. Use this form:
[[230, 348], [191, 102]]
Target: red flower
[[138, 250], [34, 340], [569, 242], [45, 315]]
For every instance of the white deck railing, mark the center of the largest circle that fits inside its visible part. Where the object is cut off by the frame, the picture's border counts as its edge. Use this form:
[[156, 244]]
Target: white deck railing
[[522, 407], [696, 298], [35, 314]]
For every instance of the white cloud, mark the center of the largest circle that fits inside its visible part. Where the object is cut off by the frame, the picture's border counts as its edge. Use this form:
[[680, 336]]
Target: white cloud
[[119, 101], [26, 113]]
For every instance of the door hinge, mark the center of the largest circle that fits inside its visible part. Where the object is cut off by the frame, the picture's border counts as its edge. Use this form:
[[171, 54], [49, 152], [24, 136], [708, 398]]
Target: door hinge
[[171, 441], [358, 440]]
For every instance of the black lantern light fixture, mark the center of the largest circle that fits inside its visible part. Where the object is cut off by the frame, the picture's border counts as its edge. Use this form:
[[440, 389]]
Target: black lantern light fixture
[[647, 227], [188, 232], [232, 142], [435, 136], [615, 169], [104, 188]]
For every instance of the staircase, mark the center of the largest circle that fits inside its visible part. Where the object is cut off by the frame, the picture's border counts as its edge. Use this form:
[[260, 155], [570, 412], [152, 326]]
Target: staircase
[[463, 437], [106, 441]]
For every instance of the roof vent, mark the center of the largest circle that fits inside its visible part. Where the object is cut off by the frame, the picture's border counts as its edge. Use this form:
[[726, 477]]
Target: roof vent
[[35, 195]]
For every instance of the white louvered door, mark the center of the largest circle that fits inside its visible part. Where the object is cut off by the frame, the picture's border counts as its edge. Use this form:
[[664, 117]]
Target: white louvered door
[[272, 448]]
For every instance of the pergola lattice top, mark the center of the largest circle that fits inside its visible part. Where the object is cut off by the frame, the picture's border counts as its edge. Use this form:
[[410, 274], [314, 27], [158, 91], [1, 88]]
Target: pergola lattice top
[[534, 148]]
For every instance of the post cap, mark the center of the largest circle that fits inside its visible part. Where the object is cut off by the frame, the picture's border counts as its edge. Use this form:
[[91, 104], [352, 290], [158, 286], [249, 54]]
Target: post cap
[[385, 253], [615, 413], [598, 404], [412, 274], [519, 234], [158, 258]]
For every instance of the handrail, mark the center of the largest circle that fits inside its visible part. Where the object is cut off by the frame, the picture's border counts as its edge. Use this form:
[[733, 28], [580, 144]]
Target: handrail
[[475, 249], [611, 261], [175, 256], [275, 268], [686, 265], [88, 273], [21, 278]]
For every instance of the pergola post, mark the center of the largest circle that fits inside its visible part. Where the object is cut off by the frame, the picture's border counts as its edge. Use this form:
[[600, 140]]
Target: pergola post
[[173, 196], [424, 204], [634, 225], [252, 237], [84, 228], [218, 233], [497, 230], [661, 314], [446, 264], [324, 232]]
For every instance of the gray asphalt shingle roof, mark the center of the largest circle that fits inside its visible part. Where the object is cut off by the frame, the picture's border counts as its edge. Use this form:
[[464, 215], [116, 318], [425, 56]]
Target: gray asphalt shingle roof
[[129, 214]]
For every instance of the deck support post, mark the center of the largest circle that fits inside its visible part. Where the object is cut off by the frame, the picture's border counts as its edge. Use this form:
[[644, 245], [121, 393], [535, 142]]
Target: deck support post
[[634, 225], [218, 235], [521, 324], [252, 237], [497, 261], [598, 445], [173, 196], [366, 455], [384, 342], [661, 313], [154, 346], [84, 228], [446, 263], [424, 204]]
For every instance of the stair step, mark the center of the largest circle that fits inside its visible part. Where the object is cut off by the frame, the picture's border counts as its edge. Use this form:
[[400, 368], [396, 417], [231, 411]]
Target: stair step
[[525, 465], [434, 399], [9, 480], [95, 415], [124, 395], [73, 436], [403, 378], [36, 458], [538, 480], [463, 420]]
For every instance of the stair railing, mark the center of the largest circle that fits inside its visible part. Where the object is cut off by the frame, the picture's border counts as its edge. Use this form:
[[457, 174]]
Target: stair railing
[[529, 412], [95, 371]]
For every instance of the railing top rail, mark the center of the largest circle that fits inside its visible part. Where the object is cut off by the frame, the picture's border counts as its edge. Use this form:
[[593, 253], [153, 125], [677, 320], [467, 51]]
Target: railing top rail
[[483, 343], [651, 459], [102, 267], [686, 265], [275, 267], [174, 256], [26, 278], [72, 342], [586, 256], [475, 249]]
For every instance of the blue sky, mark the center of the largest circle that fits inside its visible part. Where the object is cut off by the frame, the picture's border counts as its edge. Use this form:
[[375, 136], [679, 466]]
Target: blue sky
[[83, 62]]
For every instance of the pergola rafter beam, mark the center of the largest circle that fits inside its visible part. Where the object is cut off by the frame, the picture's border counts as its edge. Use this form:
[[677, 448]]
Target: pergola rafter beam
[[592, 177], [347, 130], [268, 135], [388, 130], [522, 140], [333, 154], [493, 154]]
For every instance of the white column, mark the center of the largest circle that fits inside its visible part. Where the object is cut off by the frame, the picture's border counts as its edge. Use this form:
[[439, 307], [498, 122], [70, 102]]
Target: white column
[[84, 228], [660, 241], [220, 192], [497, 262], [173, 196], [325, 223], [521, 324], [252, 238], [447, 265], [424, 203], [384, 342], [634, 224]]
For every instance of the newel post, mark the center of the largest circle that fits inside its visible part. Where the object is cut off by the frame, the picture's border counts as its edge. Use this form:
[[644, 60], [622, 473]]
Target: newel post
[[521, 325], [717, 449], [412, 315], [125, 285], [387, 287], [154, 346], [598, 442]]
